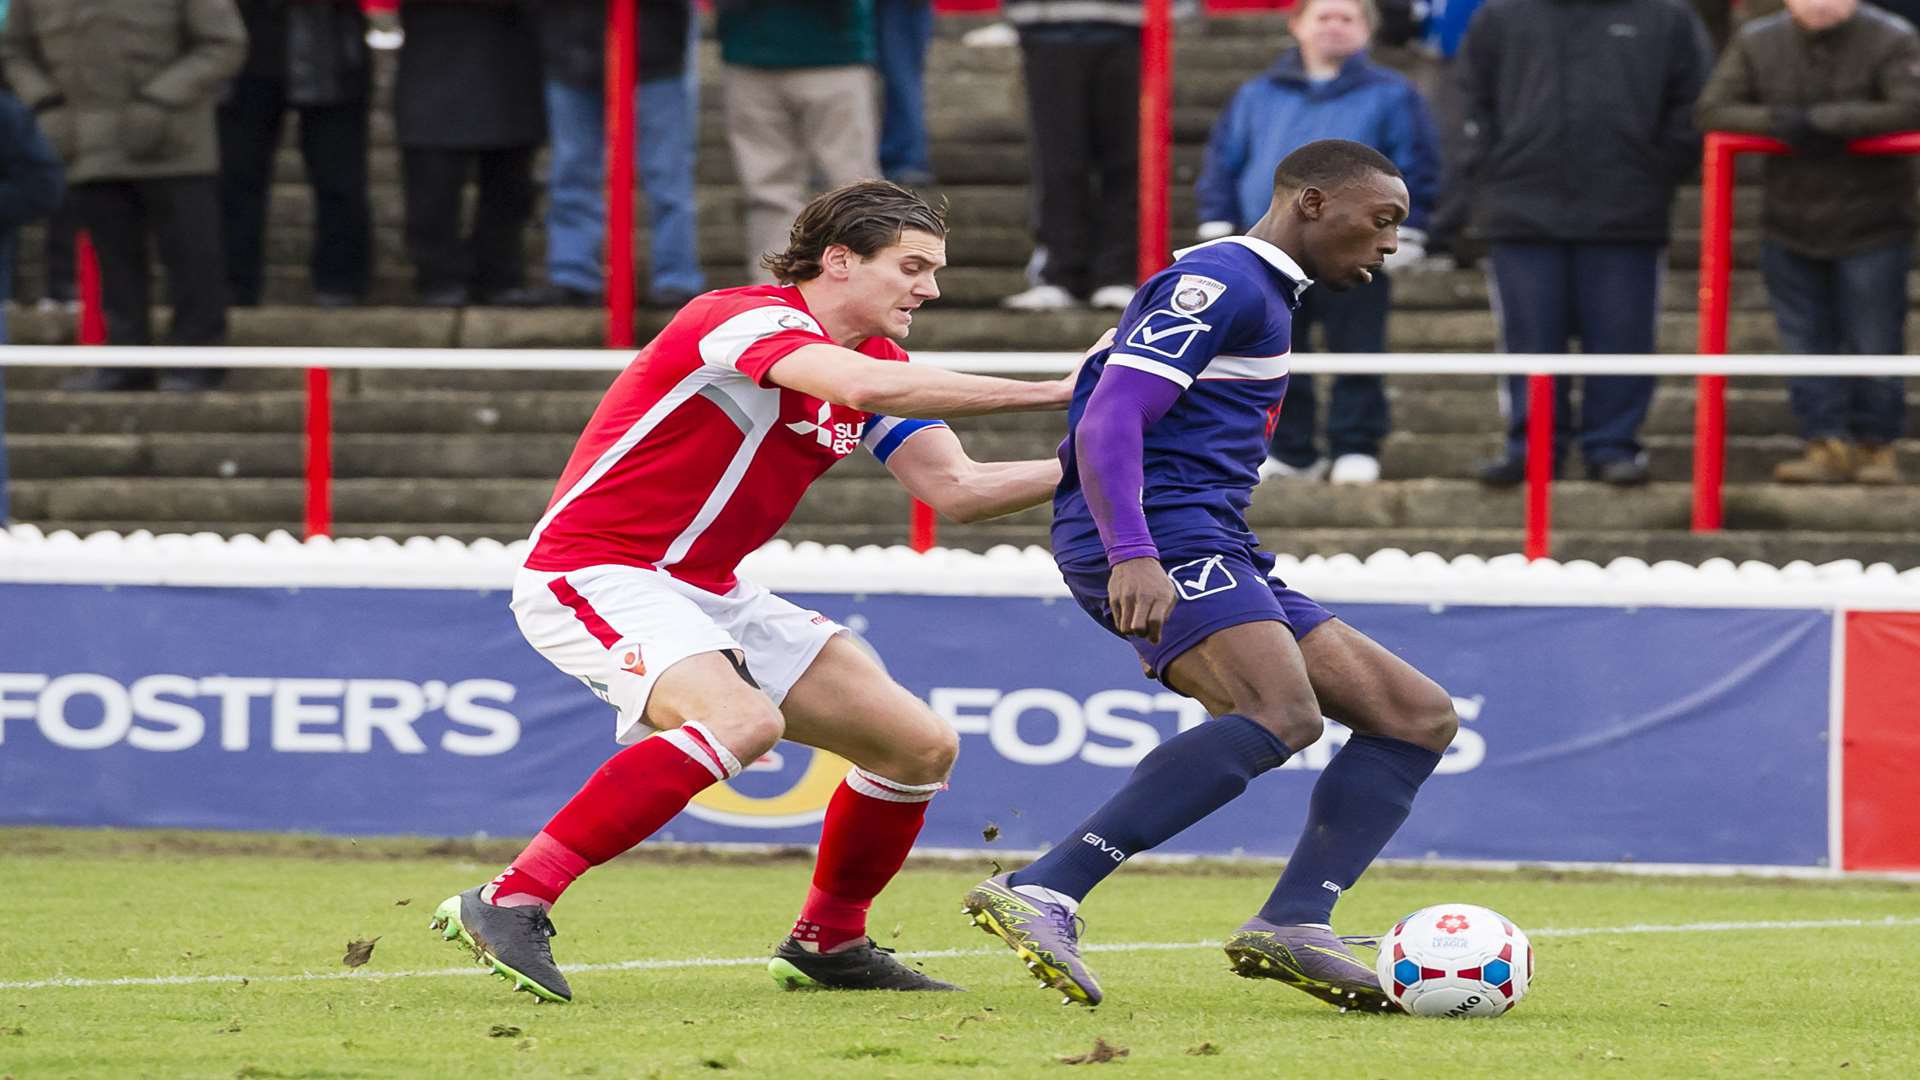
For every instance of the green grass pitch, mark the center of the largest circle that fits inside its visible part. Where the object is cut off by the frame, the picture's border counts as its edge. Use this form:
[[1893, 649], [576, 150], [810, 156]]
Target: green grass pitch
[[84, 908]]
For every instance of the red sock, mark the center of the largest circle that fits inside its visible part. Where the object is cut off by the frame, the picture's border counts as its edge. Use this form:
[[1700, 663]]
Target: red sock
[[871, 824], [637, 791]]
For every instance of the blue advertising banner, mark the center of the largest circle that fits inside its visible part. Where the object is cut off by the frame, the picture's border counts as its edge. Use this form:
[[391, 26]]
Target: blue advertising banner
[[1595, 734]]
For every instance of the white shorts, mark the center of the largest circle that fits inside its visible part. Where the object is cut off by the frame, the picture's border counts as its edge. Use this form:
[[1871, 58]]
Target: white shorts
[[616, 628]]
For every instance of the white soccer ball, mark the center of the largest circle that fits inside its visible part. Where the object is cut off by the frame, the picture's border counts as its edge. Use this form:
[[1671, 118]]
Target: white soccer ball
[[1455, 960]]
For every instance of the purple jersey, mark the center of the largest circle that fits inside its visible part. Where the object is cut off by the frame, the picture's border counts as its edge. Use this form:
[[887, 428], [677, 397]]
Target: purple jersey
[[1218, 324]]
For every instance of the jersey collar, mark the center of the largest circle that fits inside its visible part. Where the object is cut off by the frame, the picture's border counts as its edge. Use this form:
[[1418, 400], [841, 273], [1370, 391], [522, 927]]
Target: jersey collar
[[1269, 254]]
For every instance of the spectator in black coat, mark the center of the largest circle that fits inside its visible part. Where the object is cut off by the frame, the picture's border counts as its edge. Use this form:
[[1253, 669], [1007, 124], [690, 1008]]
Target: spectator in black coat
[[1579, 127], [468, 102], [310, 56]]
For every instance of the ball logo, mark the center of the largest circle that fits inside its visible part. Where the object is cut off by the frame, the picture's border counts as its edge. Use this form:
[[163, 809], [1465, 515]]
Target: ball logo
[[1451, 923], [787, 788], [1190, 300]]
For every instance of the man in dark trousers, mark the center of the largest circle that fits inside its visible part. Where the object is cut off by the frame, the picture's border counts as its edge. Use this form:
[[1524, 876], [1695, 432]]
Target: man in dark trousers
[[1081, 60], [310, 56], [1579, 127], [468, 102], [1838, 229], [126, 94]]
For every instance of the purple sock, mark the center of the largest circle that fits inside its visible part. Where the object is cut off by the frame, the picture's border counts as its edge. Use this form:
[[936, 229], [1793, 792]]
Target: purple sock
[[1357, 806], [1179, 782]]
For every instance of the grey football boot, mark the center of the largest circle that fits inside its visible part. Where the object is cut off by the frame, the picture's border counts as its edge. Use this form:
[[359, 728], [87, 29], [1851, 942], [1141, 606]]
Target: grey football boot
[[1045, 936], [1310, 959], [513, 941]]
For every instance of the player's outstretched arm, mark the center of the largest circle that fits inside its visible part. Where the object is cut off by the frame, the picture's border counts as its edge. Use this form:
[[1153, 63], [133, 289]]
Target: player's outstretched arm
[[848, 378], [935, 468]]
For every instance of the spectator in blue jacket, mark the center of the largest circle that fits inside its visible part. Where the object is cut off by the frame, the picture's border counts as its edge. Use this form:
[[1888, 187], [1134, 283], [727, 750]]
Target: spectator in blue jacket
[[31, 185], [1325, 88]]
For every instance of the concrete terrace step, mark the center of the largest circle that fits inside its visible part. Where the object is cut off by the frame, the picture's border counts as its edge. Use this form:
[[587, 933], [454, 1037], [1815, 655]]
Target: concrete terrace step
[[1430, 504]]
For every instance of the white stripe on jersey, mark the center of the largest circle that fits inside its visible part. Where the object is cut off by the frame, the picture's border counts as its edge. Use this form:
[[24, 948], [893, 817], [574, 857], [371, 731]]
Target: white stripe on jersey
[[1246, 367], [723, 345], [1151, 367], [688, 386], [762, 409]]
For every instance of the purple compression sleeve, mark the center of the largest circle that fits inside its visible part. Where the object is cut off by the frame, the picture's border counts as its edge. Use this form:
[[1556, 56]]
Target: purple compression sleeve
[[1107, 443]]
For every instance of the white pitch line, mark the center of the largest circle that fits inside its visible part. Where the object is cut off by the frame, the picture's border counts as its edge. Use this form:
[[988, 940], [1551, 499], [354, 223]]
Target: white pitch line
[[936, 954]]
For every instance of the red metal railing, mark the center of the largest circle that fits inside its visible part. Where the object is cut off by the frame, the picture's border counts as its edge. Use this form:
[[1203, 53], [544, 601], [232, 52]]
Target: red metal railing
[[1156, 135], [1716, 271]]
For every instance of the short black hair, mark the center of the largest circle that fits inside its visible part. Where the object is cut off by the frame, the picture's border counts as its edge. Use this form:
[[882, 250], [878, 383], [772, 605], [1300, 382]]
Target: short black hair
[[1328, 164], [866, 215]]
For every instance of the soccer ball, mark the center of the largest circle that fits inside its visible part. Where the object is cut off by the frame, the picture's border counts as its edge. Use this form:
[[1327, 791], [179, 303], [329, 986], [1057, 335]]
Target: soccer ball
[[1455, 960]]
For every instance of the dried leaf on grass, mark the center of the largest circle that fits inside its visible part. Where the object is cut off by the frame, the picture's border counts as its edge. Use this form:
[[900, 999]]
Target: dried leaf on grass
[[1101, 1053], [359, 952], [503, 1031], [990, 833], [1205, 1049], [403, 901]]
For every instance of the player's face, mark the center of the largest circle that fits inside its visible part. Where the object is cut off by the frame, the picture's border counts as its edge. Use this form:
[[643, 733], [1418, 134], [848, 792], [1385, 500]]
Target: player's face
[[896, 280], [1357, 227]]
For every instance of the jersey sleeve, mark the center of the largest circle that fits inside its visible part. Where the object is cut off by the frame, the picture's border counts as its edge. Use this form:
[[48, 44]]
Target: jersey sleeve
[[884, 434], [752, 339], [1182, 322]]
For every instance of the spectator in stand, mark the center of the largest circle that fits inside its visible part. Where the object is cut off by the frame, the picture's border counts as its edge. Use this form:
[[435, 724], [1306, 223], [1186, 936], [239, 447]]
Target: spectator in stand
[[1579, 127], [573, 36], [1445, 26], [800, 108], [1838, 229], [30, 188], [310, 56], [467, 103], [126, 95], [1325, 87], [1081, 60], [903, 29]]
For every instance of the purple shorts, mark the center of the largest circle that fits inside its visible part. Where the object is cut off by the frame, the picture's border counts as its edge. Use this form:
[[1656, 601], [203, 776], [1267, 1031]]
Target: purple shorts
[[1217, 589]]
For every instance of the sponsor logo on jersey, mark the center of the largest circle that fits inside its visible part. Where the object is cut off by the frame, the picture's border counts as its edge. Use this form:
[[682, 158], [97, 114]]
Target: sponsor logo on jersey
[[840, 437], [1193, 293], [1165, 332]]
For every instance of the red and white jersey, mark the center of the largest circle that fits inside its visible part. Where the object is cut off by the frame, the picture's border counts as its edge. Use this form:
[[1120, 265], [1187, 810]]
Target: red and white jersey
[[693, 459]]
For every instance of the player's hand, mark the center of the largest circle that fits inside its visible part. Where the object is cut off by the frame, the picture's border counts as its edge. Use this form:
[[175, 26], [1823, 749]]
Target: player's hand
[[1141, 596]]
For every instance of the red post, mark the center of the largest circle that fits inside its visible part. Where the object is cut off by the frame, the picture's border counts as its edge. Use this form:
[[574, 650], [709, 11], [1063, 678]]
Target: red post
[[1716, 271], [1539, 465], [622, 26], [1156, 81], [93, 318], [319, 452], [923, 528]]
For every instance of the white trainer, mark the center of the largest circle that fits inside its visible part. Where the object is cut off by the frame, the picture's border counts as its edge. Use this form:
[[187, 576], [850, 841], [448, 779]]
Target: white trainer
[[1275, 469], [1354, 469], [1040, 298], [1116, 297]]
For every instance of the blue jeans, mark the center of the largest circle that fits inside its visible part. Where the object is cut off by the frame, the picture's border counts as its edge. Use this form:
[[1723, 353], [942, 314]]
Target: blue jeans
[[665, 122], [1856, 304], [8, 239], [1608, 296], [1355, 321], [903, 29]]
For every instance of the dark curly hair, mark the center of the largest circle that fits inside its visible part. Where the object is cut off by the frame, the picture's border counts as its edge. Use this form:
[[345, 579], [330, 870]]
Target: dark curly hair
[[865, 216]]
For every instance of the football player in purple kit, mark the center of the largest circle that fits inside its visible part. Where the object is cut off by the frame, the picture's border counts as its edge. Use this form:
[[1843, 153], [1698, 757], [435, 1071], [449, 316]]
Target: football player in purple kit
[[1165, 438]]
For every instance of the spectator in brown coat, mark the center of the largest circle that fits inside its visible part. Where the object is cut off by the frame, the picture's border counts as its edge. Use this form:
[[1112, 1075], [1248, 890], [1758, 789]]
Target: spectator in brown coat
[[1837, 229], [126, 93]]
